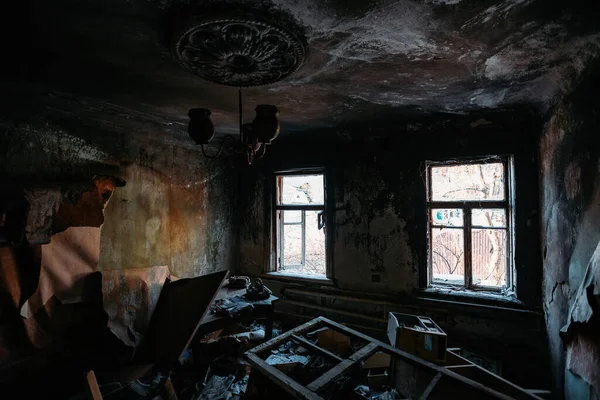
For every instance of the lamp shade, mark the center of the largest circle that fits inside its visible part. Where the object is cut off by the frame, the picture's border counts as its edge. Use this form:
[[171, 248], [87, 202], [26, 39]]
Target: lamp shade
[[200, 128], [265, 126]]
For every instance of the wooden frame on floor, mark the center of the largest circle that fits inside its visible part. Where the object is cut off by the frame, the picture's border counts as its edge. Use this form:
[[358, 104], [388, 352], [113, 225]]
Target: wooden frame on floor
[[411, 376]]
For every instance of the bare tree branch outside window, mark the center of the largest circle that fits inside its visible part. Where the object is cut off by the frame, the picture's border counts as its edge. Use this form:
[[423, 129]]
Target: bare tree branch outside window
[[469, 200]]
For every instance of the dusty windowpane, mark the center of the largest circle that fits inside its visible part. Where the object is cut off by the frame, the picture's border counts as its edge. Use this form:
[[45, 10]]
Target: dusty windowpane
[[489, 257], [292, 216], [468, 182], [303, 244], [315, 246], [302, 189], [315, 259], [447, 216], [292, 245], [489, 217], [447, 255]]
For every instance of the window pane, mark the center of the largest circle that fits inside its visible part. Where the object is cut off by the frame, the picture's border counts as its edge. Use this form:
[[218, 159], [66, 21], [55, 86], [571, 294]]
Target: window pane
[[302, 189], [489, 257], [315, 246], [489, 217], [290, 217], [447, 216], [292, 245], [468, 182], [447, 255]]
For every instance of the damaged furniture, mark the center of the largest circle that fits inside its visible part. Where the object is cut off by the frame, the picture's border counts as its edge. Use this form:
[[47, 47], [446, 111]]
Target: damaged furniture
[[176, 318], [340, 371], [250, 309]]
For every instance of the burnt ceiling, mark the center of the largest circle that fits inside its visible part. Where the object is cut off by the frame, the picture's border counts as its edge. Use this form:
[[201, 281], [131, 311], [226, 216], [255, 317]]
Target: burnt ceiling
[[108, 62]]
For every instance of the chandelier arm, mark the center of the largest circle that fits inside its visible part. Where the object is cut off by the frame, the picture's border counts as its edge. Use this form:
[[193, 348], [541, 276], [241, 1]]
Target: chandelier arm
[[263, 152], [218, 153]]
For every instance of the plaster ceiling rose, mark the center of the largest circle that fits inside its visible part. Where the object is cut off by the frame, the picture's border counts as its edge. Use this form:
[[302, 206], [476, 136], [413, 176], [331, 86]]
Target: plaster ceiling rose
[[242, 48]]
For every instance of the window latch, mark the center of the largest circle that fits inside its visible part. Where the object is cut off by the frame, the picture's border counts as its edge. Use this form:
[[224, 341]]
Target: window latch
[[321, 220]]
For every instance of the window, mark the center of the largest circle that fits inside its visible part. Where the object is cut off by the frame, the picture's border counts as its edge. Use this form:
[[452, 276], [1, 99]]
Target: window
[[300, 217], [469, 218]]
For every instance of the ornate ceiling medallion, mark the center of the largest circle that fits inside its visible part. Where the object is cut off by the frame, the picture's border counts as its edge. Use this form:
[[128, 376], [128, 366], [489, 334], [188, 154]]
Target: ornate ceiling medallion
[[239, 51]]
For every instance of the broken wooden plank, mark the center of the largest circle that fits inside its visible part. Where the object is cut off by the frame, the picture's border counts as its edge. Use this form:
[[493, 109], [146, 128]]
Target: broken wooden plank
[[324, 379], [365, 352], [92, 388], [286, 336], [289, 385], [168, 391], [431, 386], [313, 346]]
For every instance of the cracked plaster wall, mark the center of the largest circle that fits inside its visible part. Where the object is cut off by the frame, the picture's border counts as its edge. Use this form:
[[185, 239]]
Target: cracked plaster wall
[[175, 209], [377, 224], [570, 222]]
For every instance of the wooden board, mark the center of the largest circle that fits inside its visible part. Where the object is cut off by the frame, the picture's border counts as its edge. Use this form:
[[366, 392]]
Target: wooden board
[[181, 307]]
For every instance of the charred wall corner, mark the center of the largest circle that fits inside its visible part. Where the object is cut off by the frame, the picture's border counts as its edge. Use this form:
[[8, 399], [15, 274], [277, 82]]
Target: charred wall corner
[[571, 210]]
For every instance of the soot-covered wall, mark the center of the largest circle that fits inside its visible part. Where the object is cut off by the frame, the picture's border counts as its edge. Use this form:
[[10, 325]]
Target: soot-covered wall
[[376, 199], [570, 158], [175, 209], [377, 231]]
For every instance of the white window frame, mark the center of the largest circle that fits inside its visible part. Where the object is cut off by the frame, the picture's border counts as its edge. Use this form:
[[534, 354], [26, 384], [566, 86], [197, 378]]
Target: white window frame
[[280, 222], [467, 206]]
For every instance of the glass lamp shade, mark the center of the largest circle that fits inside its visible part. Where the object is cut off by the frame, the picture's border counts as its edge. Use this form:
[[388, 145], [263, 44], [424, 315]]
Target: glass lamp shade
[[200, 128], [265, 126]]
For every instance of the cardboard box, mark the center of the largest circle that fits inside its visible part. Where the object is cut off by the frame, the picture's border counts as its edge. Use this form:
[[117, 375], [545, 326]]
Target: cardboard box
[[417, 335], [377, 367]]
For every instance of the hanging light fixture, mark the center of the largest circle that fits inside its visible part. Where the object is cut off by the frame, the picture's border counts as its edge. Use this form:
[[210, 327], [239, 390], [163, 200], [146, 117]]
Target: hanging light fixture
[[239, 47], [253, 137]]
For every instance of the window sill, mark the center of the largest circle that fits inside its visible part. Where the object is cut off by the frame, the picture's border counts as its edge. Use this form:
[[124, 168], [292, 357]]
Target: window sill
[[476, 298], [286, 276]]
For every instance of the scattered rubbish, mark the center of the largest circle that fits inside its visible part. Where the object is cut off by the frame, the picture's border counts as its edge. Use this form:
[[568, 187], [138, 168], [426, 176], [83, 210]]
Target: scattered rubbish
[[286, 357], [363, 391], [334, 341], [298, 362], [276, 359], [216, 388], [239, 387], [258, 335], [231, 306], [258, 290], [239, 282], [145, 390], [387, 393]]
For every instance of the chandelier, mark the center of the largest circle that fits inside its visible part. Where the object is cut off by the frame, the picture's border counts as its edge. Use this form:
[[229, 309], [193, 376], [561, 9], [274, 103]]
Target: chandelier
[[253, 137], [241, 47]]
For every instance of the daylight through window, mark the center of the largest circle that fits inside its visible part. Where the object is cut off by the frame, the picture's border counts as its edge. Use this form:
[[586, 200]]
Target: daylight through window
[[469, 224], [300, 207]]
